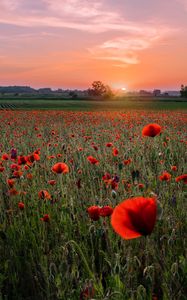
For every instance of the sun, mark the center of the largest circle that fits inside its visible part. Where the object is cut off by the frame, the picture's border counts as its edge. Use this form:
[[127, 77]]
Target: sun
[[123, 89]]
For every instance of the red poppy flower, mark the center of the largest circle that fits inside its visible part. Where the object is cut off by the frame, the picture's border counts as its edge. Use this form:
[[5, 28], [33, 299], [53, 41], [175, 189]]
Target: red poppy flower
[[109, 145], [182, 178], [5, 156], [92, 160], [165, 176], [2, 169], [11, 182], [141, 186], [127, 161], [95, 147], [106, 177], [17, 174], [15, 167], [87, 293], [21, 205], [94, 212], [45, 218], [37, 151], [51, 156], [22, 160], [115, 151], [33, 157], [43, 194], [151, 130], [134, 217], [52, 182], [106, 211], [114, 184], [174, 168], [29, 176], [13, 192], [60, 168]]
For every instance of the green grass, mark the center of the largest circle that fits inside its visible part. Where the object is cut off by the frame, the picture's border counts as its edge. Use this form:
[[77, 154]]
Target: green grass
[[61, 259], [94, 105]]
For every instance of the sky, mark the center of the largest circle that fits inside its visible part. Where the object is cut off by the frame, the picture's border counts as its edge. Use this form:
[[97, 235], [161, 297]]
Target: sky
[[136, 44]]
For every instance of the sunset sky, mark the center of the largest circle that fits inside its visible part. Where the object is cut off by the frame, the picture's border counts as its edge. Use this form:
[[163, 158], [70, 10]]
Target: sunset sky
[[138, 44]]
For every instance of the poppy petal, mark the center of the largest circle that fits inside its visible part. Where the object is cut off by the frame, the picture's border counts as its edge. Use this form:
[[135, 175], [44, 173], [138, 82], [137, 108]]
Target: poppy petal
[[134, 217]]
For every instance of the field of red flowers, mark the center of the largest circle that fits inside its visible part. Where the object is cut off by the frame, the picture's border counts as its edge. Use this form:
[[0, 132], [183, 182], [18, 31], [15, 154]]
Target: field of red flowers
[[93, 205]]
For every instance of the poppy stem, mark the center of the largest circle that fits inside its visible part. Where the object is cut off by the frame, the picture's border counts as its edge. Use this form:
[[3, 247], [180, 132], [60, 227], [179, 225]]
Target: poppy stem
[[98, 287], [62, 190]]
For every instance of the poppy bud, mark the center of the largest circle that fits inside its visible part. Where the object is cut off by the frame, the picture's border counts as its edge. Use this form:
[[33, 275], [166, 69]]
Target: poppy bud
[[114, 194], [13, 154], [21, 205], [46, 218]]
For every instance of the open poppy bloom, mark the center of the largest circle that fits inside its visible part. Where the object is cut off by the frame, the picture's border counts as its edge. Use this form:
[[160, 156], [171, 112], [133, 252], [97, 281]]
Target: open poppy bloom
[[109, 145], [22, 160], [60, 168], [5, 156], [43, 194], [182, 178], [106, 211], [134, 217], [94, 212], [17, 174], [33, 157], [52, 182], [115, 151], [2, 169], [165, 176], [13, 192], [127, 161], [92, 160], [15, 167], [11, 182], [45, 218], [151, 130]]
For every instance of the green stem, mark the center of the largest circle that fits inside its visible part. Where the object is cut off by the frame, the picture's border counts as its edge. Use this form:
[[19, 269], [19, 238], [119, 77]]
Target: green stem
[[92, 276]]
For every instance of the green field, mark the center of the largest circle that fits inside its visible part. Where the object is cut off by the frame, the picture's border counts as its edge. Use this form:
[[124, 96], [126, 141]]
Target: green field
[[87, 105]]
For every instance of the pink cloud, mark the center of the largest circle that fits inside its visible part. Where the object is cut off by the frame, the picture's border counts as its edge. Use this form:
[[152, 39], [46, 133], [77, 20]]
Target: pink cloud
[[183, 2], [123, 50]]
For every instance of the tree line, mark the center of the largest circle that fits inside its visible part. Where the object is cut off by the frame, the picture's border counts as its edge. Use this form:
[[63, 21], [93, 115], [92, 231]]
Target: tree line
[[183, 91]]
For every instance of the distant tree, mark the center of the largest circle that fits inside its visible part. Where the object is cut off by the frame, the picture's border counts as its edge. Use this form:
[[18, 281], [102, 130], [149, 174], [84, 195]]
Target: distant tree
[[109, 93], [98, 89], [156, 93], [73, 95], [183, 91]]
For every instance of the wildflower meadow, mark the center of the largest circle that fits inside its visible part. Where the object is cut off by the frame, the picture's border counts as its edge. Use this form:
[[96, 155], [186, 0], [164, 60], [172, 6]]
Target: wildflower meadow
[[93, 205]]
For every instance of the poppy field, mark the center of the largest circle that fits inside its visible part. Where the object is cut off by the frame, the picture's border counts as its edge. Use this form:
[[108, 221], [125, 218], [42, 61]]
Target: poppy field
[[93, 205]]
